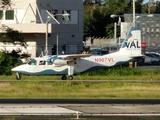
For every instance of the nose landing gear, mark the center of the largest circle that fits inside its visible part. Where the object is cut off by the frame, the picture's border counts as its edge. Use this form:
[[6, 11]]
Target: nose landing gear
[[18, 76]]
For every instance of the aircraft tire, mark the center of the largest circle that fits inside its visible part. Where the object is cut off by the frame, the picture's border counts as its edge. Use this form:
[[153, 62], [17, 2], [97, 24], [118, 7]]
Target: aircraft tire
[[18, 76], [64, 77], [70, 77]]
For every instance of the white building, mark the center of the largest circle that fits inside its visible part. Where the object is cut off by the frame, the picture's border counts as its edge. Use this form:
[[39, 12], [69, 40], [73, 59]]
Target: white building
[[30, 16]]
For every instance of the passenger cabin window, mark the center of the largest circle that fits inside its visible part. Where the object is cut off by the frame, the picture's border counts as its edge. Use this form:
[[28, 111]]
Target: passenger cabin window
[[42, 62], [32, 62]]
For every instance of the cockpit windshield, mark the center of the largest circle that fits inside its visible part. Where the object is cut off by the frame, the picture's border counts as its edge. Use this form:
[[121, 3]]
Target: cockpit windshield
[[32, 62]]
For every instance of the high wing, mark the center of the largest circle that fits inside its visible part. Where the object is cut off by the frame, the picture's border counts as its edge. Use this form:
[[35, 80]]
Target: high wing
[[73, 57]]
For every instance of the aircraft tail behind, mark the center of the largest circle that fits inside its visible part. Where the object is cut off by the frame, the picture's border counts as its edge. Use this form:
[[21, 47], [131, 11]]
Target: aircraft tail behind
[[132, 44]]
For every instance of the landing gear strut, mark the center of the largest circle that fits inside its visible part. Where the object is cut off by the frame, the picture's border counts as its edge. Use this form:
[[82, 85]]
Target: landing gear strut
[[18, 76]]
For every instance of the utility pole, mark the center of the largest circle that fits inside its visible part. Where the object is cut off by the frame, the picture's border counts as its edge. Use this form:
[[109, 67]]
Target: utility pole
[[134, 16]]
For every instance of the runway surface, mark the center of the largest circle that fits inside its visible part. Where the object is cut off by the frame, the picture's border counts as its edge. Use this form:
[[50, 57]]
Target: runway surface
[[79, 110], [88, 109]]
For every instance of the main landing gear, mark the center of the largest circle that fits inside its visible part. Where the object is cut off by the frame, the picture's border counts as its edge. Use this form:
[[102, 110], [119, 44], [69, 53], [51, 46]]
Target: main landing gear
[[18, 76], [64, 77]]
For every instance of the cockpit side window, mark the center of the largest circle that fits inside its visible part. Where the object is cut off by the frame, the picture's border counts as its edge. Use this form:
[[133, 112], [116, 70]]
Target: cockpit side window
[[32, 62]]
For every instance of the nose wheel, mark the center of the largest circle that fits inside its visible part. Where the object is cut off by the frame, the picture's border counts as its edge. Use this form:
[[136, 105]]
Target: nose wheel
[[18, 76]]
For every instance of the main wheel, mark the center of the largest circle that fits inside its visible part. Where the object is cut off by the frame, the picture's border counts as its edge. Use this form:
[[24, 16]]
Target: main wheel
[[18, 76], [70, 77], [64, 77]]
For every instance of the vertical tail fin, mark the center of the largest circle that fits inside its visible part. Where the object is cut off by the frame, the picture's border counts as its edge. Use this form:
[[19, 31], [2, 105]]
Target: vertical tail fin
[[132, 44]]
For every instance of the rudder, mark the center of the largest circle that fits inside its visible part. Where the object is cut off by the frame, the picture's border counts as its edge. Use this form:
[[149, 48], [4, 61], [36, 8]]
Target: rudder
[[132, 44]]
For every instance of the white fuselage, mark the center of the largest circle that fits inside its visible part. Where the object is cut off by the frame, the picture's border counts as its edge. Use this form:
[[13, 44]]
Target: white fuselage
[[80, 65]]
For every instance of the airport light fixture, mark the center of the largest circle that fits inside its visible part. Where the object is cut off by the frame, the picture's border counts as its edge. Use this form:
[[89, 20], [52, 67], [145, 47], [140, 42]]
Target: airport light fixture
[[47, 21], [119, 21], [115, 24], [49, 17]]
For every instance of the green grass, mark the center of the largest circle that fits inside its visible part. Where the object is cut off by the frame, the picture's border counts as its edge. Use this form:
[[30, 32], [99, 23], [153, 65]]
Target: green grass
[[35, 88], [68, 90]]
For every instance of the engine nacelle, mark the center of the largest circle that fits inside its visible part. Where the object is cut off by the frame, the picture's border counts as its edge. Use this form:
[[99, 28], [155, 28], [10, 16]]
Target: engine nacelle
[[60, 62]]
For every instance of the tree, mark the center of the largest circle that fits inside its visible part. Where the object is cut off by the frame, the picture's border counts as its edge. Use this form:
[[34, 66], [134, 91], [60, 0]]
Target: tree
[[92, 2], [157, 9], [118, 6], [6, 3], [9, 59], [139, 6], [151, 7], [6, 63], [14, 37], [97, 21], [88, 2]]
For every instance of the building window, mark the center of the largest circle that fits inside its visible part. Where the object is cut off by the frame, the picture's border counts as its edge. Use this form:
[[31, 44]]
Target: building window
[[66, 18], [9, 15], [1, 14]]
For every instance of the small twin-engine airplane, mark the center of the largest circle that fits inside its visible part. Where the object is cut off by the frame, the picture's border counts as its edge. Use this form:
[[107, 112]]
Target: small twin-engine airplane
[[130, 51]]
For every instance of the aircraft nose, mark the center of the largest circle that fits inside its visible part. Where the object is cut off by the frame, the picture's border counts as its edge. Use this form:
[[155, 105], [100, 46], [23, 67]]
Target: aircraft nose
[[18, 68], [13, 69]]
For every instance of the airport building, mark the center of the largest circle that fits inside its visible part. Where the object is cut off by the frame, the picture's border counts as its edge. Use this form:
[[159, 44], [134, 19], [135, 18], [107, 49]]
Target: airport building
[[55, 34]]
